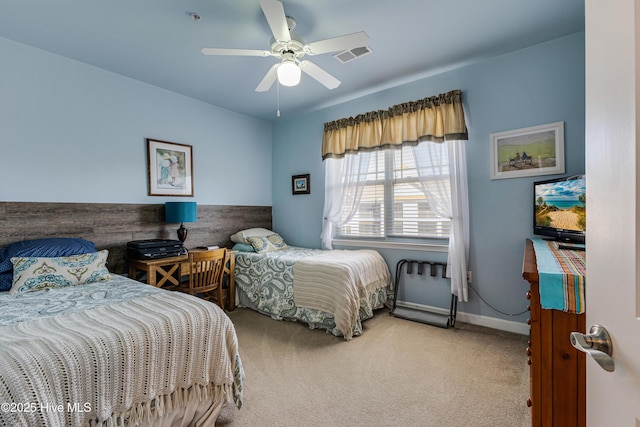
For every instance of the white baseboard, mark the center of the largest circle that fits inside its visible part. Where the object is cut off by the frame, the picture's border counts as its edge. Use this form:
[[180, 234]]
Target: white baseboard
[[474, 319]]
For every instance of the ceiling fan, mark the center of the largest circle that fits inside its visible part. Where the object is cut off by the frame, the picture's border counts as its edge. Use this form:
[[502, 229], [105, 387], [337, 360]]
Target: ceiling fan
[[290, 48]]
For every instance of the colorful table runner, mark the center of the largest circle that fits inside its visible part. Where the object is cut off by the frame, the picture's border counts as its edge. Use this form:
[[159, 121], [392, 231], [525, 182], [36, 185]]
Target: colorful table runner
[[561, 274]]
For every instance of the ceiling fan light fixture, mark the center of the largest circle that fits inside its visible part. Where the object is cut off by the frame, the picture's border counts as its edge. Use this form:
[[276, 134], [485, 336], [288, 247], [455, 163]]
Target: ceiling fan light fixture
[[288, 73]]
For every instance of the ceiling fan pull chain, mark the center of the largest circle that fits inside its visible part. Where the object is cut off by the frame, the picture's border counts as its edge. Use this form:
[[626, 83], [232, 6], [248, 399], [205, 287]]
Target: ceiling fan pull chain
[[278, 97]]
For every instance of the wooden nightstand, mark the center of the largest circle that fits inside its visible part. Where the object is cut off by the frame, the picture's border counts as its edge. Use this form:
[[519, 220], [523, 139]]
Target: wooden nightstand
[[167, 272]]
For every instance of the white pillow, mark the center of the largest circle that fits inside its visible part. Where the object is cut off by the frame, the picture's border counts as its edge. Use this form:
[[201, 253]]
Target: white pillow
[[267, 244], [242, 235]]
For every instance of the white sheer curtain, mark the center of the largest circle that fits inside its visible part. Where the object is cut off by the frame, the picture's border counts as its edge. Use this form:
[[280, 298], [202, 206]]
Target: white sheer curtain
[[343, 184], [448, 198]]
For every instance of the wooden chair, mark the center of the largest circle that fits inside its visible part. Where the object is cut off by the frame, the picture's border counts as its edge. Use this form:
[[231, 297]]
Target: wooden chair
[[205, 276]]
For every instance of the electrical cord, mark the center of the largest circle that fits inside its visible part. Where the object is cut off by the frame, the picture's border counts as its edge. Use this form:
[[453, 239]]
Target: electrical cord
[[493, 308]]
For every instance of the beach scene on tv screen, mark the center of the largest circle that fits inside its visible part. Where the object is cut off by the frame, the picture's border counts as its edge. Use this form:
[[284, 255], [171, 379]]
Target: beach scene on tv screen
[[561, 205]]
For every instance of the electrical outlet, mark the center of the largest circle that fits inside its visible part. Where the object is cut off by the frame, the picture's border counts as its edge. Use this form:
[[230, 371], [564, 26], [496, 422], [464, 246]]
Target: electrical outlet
[[469, 276]]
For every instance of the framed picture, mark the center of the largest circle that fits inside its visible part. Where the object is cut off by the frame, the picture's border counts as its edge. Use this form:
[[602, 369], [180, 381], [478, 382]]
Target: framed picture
[[170, 168], [300, 184], [537, 150]]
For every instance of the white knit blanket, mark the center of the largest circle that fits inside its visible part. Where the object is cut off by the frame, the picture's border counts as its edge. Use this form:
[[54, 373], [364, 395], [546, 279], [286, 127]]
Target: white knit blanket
[[336, 281], [117, 364]]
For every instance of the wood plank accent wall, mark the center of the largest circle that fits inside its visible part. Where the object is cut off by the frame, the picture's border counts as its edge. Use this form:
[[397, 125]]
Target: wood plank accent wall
[[111, 225]]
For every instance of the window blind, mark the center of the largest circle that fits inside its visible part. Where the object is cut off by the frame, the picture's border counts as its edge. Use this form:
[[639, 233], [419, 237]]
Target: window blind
[[393, 203]]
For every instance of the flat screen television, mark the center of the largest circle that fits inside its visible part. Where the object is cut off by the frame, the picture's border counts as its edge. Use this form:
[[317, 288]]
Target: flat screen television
[[559, 208]]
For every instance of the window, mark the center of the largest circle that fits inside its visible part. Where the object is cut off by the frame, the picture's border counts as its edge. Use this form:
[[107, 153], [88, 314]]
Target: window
[[417, 192], [393, 202]]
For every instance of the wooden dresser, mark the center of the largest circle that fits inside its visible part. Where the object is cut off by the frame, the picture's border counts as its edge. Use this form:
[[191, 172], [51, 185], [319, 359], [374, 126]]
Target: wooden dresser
[[557, 369]]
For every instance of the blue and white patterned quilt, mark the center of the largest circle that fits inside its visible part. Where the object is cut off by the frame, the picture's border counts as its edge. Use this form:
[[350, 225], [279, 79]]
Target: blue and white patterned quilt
[[265, 283], [53, 302], [120, 349]]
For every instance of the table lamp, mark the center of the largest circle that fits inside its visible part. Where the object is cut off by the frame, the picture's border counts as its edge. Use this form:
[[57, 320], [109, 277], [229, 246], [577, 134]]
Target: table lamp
[[181, 212]]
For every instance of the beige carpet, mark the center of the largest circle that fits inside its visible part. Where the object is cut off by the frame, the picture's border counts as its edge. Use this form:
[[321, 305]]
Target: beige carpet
[[398, 373]]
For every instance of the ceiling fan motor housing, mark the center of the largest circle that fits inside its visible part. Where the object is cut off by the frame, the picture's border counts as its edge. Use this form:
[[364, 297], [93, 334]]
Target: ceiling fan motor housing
[[296, 45]]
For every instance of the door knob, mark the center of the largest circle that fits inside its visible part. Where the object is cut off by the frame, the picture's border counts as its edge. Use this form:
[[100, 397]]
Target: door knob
[[597, 344]]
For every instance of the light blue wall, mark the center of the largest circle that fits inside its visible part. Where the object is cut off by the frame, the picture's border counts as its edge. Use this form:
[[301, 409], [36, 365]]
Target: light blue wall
[[70, 132], [534, 86]]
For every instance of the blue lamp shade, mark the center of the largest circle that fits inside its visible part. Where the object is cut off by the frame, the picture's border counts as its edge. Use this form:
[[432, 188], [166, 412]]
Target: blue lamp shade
[[175, 212]]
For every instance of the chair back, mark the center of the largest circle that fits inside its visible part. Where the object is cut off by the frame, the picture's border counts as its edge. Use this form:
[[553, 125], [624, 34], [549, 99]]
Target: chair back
[[206, 271]]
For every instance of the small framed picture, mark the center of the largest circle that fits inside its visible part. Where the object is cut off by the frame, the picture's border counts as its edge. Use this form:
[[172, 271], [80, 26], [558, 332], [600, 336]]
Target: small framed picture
[[170, 168], [300, 184], [536, 150]]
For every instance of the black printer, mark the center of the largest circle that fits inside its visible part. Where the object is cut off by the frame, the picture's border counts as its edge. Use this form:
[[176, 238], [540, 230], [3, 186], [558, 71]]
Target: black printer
[[154, 248]]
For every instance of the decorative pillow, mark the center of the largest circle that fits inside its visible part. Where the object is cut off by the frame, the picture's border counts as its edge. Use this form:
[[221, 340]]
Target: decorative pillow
[[243, 247], [242, 235], [36, 273], [48, 247], [267, 243]]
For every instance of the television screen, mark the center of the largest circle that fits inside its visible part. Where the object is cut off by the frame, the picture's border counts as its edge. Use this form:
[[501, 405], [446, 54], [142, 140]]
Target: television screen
[[560, 208]]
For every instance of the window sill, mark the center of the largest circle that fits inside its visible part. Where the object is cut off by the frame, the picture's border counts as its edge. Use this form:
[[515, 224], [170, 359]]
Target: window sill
[[431, 247]]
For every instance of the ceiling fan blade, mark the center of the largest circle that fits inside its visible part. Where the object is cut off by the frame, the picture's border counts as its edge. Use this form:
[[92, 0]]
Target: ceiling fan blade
[[268, 79], [274, 12], [319, 74], [335, 44], [234, 52]]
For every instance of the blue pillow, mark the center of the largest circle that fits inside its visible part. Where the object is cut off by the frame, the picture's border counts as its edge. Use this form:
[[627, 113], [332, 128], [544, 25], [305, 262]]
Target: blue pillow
[[48, 247], [240, 247]]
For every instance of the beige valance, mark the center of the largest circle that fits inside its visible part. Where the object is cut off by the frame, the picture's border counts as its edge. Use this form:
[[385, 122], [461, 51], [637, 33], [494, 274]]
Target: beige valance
[[437, 118]]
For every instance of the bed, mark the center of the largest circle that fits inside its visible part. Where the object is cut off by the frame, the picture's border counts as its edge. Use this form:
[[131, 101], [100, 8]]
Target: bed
[[334, 290], [110, 351]]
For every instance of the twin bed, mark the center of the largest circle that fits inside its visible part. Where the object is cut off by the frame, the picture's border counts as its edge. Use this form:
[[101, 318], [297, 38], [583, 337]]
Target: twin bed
[[109, 351], [333, 290]]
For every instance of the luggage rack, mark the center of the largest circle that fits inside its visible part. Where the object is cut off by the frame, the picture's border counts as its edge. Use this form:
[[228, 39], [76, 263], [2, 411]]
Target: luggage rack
[[422, 316]]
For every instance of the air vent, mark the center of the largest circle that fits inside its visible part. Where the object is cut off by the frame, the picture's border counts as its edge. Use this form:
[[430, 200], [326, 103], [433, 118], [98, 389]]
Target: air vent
[[351, 54]]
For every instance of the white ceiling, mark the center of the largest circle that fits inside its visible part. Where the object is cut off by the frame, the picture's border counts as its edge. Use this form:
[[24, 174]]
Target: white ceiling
[[157, 41]]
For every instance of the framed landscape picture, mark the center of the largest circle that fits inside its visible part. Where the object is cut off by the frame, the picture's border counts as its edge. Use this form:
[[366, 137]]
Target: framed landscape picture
[[536, 150], [300, 184], [170, 168]]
